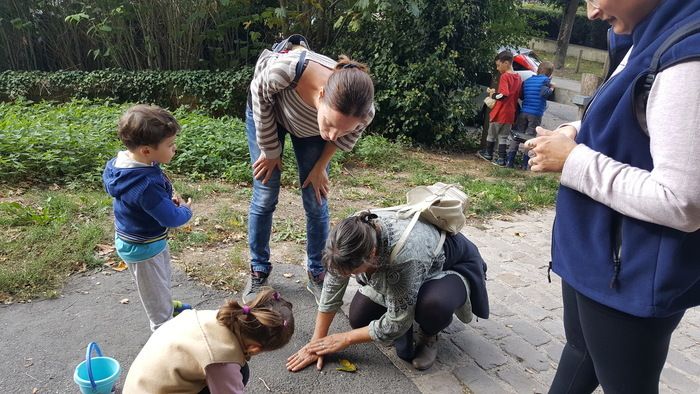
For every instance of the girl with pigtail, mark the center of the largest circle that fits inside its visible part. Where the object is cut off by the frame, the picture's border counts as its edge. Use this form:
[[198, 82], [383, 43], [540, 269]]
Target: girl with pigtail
[[206, 351]]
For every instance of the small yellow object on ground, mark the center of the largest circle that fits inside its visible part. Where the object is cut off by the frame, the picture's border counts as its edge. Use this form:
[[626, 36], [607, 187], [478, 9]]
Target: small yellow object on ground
[[346, 366]]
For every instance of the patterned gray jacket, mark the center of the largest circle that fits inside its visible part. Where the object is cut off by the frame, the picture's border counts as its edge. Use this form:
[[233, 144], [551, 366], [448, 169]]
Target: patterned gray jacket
[[395, 284]]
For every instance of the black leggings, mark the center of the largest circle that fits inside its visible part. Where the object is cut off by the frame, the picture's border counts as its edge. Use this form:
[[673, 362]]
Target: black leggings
[[437, 301], [621, 352]]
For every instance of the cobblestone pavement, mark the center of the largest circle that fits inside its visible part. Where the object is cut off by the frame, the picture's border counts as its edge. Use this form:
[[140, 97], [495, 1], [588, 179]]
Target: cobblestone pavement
[[517, 349]]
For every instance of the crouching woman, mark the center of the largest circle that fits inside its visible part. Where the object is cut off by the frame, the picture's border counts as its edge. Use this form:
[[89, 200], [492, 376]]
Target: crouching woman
[[424, 283]]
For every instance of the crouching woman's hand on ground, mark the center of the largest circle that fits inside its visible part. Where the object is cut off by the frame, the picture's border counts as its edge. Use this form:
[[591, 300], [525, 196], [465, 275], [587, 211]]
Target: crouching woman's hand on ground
[[303, 358]]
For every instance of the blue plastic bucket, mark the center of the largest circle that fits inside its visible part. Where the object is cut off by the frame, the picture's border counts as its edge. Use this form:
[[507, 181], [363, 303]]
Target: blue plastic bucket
[[96, 375]]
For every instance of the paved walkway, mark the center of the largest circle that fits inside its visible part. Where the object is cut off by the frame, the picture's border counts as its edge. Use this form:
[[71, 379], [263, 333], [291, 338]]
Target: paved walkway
[[517, 349]]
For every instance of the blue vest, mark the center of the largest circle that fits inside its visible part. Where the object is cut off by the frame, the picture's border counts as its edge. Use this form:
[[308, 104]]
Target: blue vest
[[659, 270], [533, 101]]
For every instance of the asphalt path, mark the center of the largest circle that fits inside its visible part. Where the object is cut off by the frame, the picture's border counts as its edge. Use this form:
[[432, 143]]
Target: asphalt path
[[42, 342]]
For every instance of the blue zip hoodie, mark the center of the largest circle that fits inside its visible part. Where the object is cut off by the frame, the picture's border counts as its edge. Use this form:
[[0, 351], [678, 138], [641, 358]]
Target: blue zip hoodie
[[657, 271], [143, 209]]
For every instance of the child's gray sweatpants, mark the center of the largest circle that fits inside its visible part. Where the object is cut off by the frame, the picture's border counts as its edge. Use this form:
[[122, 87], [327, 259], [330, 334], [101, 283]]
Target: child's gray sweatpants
[[152, 277]]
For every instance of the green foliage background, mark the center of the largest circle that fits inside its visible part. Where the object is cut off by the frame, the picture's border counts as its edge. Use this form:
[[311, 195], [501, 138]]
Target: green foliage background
[[427, 57]]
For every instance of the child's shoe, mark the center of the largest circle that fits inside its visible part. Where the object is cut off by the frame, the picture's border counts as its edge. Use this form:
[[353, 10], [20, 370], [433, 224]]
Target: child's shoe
[[510, 159], [179, 306], [484, 154]]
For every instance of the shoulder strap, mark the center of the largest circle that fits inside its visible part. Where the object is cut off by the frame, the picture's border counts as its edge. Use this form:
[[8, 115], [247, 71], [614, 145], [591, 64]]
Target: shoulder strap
[[404, 236], [301, 66], [644, 84], [286, 45]]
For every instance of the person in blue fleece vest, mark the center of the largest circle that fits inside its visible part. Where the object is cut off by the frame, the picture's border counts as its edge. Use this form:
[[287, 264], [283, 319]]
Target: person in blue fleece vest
[[626, 236], [144, 206]]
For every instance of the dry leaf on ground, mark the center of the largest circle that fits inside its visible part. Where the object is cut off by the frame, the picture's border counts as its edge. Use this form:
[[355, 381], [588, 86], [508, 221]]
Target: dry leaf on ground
[[346, 366]]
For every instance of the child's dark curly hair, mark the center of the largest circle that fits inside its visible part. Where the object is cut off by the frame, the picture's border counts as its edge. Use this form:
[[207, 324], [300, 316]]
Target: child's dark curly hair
[[268, 320]]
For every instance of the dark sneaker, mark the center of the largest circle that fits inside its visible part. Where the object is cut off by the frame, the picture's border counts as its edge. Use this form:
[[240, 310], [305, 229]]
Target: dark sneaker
[[179, 306], [484, 155], [315, 285], [499, 162], [257, 281]]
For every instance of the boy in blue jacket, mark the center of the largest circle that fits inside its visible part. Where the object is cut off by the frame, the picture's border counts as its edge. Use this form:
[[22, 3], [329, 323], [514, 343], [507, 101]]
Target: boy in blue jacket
[[144, 206], [534, 93]]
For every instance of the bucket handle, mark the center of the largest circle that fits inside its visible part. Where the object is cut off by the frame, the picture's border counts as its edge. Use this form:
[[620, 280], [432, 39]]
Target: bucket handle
[[88, 360]]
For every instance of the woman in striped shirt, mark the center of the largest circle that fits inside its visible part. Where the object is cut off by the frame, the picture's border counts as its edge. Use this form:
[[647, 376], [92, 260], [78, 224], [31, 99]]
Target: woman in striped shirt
[[323, 105]]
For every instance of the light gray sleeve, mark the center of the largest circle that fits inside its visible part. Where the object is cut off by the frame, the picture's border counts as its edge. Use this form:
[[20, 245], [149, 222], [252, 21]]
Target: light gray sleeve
[[668, 195], [332, 295]]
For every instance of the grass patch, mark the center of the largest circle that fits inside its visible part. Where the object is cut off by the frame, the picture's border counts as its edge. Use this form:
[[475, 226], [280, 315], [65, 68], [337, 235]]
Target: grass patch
[[45, 237], [569, 70], [488, 197], [226, 272]]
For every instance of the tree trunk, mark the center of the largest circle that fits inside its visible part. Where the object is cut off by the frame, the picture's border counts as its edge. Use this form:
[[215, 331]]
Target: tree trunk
[[567, 24]]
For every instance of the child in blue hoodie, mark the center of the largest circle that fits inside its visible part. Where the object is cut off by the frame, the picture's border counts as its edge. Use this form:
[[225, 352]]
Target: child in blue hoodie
[[144, 206]]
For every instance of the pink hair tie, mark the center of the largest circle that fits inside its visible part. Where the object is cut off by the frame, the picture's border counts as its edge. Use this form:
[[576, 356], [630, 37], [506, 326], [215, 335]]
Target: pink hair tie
[[284, 323], [276, 296], [246, 309]]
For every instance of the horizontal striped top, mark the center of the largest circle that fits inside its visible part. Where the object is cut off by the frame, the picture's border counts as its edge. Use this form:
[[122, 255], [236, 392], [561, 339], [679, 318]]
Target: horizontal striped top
[[275, 101]]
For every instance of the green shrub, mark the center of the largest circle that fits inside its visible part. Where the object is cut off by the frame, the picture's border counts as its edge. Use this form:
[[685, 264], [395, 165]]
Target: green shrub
[[214, 92], [71, 142], [45, 143]]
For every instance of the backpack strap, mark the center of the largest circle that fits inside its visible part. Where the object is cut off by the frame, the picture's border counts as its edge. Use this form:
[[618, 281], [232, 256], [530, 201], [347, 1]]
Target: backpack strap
[[287, 45], [404, 237], [301, 66], [644, 84]]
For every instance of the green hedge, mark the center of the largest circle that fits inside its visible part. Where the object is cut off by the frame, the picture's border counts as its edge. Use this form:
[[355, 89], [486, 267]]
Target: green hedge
[[585, 32], [214, 92], [70, 143]]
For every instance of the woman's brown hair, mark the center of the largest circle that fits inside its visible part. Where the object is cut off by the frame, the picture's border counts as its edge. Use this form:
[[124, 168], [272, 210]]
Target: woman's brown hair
[[350, 244], [268, 320], [349, 89]]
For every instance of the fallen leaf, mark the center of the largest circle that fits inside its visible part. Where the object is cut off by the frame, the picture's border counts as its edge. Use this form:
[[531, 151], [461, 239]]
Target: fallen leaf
[[219, 227], [35, 390], [124, 301], [519, 234], [346, 366], [287, 275], [121, 266], [197, 220], [103, 249]]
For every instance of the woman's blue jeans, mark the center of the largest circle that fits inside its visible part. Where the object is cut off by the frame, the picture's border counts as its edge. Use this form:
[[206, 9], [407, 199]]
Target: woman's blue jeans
[[265, 196]]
